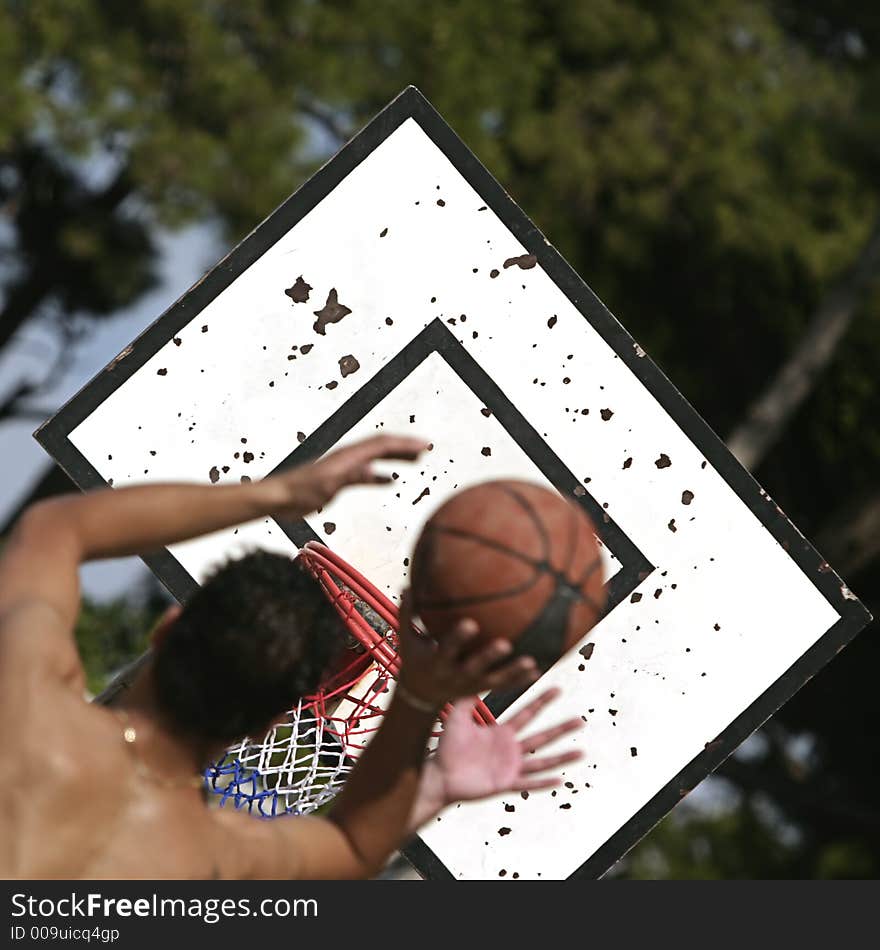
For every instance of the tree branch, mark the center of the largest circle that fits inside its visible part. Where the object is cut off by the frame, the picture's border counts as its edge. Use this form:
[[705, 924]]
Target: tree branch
[[13, 406], [326, 119], [770, 412], [22, 301], [850, 538]]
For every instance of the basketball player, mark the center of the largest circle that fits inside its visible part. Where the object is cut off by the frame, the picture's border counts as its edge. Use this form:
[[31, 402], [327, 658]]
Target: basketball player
[[116, 792]]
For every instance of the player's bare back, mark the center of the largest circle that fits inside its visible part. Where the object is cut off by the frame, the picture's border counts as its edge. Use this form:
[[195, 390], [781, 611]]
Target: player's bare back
[[98, 792]]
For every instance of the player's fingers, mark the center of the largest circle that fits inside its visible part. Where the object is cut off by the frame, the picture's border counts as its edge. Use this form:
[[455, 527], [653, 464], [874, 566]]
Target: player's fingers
[[519, 672], [530, 766], [369, 476], [401, 447], [405, 614], [463, 708], [486, 657], [458, 640], [546, 736], [530, 710]]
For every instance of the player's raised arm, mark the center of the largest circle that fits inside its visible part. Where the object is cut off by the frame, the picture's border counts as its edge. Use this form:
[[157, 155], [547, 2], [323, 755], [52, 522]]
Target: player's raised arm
[[38, 571], [371, 817]]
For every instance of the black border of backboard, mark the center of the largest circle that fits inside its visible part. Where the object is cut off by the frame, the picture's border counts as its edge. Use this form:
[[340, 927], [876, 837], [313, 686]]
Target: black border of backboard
[[54, 436], [436, 338]]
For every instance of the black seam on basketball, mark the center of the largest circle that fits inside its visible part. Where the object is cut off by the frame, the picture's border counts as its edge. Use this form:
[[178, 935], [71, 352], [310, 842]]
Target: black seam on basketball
[[578, 593], [597, 607], [544, 637], [490, 543], [541, 571], [481, 598], [594, 564], [572, 544], [540, 567], [534, 642], [533, 515]]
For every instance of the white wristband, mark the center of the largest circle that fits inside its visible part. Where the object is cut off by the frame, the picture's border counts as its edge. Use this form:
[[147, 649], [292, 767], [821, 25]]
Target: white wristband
[[420, 704]]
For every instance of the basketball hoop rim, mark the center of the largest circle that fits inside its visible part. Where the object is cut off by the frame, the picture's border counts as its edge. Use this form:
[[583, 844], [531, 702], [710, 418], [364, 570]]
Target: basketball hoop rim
[[323, 563]]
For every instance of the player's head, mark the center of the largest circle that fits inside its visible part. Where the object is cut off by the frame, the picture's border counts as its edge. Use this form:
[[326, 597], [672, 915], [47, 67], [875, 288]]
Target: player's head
[[254, 638]]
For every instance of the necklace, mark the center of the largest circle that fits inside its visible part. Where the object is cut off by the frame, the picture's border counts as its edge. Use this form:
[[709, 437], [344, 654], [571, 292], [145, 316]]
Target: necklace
[[129, 737]]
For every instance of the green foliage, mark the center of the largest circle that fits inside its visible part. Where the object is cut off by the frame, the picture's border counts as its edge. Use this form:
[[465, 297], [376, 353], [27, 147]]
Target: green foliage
[[736, 845], [109, 636]]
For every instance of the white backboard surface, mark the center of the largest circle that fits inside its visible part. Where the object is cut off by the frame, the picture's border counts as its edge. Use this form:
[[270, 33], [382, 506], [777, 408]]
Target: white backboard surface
[[465, 327]]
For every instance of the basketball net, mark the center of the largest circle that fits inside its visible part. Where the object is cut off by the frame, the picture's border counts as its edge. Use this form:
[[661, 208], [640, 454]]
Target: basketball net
[[305, 758]]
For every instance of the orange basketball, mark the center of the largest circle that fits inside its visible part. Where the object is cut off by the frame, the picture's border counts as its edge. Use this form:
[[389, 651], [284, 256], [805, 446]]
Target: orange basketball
[[517, 558]]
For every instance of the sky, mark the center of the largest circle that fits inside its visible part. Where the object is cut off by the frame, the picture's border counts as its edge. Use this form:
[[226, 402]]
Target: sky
[[184, 257]]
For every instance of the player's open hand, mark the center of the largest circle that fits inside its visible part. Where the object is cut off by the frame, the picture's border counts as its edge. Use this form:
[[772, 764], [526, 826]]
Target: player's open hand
[[462, 664], [308, 487], [476, 761]]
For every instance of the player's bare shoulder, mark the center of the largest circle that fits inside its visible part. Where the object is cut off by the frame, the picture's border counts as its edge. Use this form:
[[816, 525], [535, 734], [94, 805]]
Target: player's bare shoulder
[[247, 847], [33, 654]]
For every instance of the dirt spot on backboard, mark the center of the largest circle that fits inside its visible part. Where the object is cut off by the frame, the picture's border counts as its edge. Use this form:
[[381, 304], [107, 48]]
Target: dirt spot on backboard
[[664, 461], [348, 365], [687, 497], [332, 312], [524, 261], [299, 291], [214, 474]]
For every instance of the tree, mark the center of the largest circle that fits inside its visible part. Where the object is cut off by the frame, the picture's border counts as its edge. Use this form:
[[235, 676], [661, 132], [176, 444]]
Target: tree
[[109, 635]]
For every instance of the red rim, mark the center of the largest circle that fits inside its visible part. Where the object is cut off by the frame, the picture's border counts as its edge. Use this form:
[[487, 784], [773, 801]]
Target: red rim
[[323, 564]]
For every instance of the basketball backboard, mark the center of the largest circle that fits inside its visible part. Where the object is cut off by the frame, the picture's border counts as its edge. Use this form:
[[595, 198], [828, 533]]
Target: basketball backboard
[[402, 290]]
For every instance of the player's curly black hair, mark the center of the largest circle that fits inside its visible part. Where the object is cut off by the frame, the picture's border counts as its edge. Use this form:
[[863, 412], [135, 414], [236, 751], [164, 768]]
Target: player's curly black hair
[[256, 637]]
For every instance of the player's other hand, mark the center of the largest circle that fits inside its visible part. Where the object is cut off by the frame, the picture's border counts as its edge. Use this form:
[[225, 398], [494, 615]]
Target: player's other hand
[[308, 487], [476, 761], [460, 665]]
